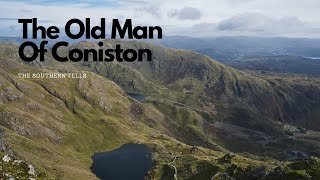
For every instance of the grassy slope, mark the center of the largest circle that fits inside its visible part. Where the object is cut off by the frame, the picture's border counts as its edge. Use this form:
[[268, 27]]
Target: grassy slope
[[59, 124], [186, 85]]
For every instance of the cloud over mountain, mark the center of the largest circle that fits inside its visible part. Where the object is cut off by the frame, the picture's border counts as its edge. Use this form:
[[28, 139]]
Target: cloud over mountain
[[186, 13]]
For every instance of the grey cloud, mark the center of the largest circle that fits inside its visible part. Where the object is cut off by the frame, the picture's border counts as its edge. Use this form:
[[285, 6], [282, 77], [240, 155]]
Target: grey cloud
[[153, 10], [254, 22], [186, 13]]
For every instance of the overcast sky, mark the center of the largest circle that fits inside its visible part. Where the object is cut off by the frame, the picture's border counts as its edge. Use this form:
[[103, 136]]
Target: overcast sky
[[286, 18]]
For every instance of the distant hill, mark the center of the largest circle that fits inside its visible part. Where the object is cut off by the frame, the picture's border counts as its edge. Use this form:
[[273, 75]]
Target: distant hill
[[233, 48], [15, 40], [279, 55], [51, 42], [225, 48], [278, 64]]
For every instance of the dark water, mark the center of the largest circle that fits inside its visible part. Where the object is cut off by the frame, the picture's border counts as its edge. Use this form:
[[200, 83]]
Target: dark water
[[137, 97], [129, 162]]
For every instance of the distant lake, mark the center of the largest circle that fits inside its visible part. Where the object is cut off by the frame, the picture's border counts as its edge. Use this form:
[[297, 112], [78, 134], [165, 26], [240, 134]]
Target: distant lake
[[129, 162], [137, 97], [313, 57]]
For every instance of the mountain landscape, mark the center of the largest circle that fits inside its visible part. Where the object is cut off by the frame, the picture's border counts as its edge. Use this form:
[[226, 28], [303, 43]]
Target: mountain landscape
[[201, 119], [279, 64], [266, 54], [236, 47]]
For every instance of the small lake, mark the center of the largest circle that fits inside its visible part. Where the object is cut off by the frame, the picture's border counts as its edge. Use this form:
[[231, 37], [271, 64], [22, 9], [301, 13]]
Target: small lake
[[137, 97], [314, 58], [129, 162]]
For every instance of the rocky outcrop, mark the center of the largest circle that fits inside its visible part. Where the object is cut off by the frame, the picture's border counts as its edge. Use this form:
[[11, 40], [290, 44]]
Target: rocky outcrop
[[17, 169]]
